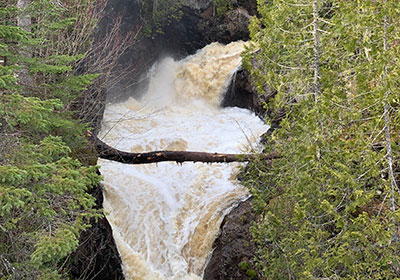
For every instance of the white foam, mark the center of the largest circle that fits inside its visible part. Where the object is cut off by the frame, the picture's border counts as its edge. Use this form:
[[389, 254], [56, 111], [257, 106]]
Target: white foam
[[165, 216]]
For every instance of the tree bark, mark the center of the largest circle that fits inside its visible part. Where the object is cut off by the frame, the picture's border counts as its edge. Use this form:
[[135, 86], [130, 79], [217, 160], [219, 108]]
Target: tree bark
[[389, 155], [25, 22], [24, 19], [317, 83], [106, 152]]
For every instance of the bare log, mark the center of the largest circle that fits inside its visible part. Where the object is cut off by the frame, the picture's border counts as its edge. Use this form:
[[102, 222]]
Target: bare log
[[106, 152]]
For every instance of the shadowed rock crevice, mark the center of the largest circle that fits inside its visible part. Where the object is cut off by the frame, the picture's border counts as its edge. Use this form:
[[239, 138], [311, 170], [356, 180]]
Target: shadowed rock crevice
[[97, 257], [234, 251]]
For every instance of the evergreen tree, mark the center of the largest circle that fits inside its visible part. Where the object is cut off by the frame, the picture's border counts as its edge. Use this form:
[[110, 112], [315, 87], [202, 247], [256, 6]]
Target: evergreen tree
[[44, 203], [330, 204]]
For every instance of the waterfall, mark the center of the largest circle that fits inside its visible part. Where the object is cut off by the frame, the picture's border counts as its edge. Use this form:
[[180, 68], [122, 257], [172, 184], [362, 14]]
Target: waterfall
[[166, 216]]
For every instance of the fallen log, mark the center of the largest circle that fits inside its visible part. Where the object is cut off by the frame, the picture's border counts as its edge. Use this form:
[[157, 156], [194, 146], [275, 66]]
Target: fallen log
[[107, 152]]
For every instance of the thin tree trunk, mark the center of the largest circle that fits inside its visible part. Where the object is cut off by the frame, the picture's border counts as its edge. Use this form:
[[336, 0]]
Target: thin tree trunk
[[155, 7], [317, 83], [389, 155], [106, 152], [24, 21]]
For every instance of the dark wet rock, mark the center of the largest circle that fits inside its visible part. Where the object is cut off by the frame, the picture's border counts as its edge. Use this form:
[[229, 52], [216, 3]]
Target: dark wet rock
[[97, 257], [249, 5], [198, 27], [241, 93], [234, 252], [232, 27]]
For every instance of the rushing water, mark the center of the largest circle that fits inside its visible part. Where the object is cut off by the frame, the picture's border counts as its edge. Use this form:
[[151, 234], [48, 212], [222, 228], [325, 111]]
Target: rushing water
[[166, 216]]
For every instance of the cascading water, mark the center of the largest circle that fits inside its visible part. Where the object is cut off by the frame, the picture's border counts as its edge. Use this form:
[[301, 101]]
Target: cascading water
[[166, 216]]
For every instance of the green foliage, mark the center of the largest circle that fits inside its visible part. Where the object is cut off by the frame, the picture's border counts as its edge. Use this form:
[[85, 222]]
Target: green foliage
[[248, 268], [44, 204], [223, 6], [158, 14], [9, 35], [44, 199], [325, 204]]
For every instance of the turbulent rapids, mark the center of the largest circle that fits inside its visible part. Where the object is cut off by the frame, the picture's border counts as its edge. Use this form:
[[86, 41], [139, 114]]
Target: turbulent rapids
[[166, 216]]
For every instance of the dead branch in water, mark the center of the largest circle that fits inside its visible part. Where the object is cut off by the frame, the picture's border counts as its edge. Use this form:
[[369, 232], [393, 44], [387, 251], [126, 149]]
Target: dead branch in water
[[106, 152]]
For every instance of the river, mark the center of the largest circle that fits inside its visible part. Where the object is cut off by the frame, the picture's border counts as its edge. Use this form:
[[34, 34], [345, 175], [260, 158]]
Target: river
[[166, 216]]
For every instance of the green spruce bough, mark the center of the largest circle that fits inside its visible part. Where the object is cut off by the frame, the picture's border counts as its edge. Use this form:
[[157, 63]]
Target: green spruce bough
[[44, 203]]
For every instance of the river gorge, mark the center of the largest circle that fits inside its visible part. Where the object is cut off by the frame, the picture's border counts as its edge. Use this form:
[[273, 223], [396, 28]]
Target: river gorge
[[166, 216]]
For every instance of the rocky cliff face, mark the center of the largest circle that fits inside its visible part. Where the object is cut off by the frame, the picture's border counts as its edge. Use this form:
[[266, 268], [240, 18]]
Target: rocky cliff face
[[233, 251], [197, 27], [97, 257]]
